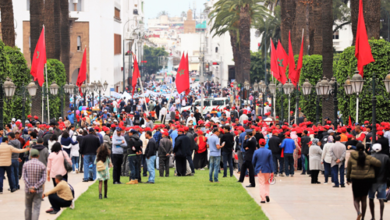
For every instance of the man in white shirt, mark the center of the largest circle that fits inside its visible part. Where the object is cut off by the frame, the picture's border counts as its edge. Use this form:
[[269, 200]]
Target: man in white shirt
[[268, 120], [163, 114], [191, 118], [243, 117]]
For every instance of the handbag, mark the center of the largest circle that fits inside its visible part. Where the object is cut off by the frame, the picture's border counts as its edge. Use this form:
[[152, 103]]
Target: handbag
[[67, 166], [100, 166]]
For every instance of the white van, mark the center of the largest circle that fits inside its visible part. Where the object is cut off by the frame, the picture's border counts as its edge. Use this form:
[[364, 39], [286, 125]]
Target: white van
[[209, 104]]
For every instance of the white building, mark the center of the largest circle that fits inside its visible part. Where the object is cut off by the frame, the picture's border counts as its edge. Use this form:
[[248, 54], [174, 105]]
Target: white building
[[100, 27]]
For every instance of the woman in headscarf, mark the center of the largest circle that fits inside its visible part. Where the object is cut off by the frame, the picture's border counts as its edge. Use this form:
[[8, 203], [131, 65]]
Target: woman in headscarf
[[326, 158], [315, 160]]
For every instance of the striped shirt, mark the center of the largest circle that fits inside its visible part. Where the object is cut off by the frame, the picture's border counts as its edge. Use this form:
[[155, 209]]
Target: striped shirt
[[34, 175]]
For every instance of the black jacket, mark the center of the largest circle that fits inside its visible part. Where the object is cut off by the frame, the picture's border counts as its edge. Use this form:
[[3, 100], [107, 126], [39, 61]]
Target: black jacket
[[46, 138], [151, 148], [273, 145], [128, 108], [304, 142], [133, 141], [228, 138], [182, 146], [89, 144], [251, 144], [165, 147], [258, 136], [192, 140], [385, 145], [197, 116]]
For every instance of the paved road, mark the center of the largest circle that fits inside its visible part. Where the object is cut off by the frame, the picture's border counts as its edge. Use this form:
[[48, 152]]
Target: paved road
[[296, 198], [12, 204]]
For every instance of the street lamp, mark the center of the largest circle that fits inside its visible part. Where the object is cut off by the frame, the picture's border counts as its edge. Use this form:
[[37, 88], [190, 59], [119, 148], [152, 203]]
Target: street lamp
[[306, 87], [357, 87], [348, 87], [288, 89], [280, 88], [247, 87], [272, 88]]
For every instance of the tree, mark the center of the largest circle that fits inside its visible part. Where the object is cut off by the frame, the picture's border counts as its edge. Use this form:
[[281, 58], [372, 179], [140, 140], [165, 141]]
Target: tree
[[238, 16], [7, 22], [316, 28], [371, 12], [327, 52], [151, 55], [269, 28], [257, 67], [288, 18]]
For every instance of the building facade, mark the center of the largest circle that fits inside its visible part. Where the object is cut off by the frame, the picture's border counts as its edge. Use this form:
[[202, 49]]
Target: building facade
[[100, 26]]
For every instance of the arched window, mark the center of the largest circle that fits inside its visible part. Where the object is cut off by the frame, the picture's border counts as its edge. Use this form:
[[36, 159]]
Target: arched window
[[216, 49], [78, 43]]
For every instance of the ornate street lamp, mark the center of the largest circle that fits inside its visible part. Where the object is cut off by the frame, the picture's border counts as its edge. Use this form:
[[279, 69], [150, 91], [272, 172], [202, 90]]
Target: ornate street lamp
[[387, 82], [306, 87], [54, 88], [357, 83], [32, 88], [348, 87]]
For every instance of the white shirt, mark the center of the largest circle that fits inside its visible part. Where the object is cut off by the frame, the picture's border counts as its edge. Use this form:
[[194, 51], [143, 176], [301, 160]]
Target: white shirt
[[193, 119], [267, 109], [183, 102], [242, 118], [227, 114], [163, 111], [326, 153], [268, 119]]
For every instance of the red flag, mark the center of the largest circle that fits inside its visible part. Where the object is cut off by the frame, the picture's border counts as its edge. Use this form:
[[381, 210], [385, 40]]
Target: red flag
[[39, 59], [296, 72], [82, 72], [274, 63], [182, 77], [291, 62], [349, 121], [281, 59], [362, 48], [136, 74]]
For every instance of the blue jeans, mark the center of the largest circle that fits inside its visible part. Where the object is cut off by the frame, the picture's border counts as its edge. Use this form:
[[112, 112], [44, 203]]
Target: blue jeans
[[214, 167], [227, 157], [327, 172], [75, 163], [303, 159], [89, 159], [151, 170], [134, 167], [289, 164], [276, 158], [335, 173], [10, 179], [15, 173]]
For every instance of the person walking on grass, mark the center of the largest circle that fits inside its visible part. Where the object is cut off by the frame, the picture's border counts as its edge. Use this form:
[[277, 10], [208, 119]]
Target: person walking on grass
[[263, 163], [150, 154], [215, 155], [181, 149], [361, 174], [34, 176], [60, 196], [227, 150], [103, 163], [118, 142], [380, 183]]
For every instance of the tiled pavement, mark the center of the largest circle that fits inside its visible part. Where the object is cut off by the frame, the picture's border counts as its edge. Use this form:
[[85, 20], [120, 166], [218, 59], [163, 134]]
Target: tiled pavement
[[12, 204], [296, 198]]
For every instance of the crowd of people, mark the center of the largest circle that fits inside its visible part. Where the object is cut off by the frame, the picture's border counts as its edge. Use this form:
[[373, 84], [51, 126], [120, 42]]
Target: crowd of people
[[124, 135]]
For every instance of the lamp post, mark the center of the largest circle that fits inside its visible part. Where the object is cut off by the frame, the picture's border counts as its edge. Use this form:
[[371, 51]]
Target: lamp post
[[272, 89], [288, 89], [357, 87], [263, 88], [256, 92]]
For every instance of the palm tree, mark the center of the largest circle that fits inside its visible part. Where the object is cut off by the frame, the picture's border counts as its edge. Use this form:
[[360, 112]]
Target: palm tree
[[288, 18], [36, 22], [327, 51], [65, 36], [7, 22], [269, 28], [372, 15], [237, 17]]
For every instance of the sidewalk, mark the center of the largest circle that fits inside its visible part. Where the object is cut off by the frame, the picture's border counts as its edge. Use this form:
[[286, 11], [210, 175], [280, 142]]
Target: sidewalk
[[296, 198], [12, 204]]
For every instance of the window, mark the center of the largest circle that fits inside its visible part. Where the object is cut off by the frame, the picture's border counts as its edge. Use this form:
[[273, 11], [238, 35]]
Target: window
[[28, 5], [218, 102], [336, 35], [117, 44], [117, 14], [75, 5], [78, 43], [216, 49]]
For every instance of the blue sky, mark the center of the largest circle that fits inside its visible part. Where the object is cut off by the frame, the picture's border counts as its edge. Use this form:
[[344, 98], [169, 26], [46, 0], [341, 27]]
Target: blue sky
[[173, 7]]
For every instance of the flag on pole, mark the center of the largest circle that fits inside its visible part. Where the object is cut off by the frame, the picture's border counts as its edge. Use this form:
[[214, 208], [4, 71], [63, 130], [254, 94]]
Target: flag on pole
[[182, 77], [39, 59], [82, 72], [295, 73], [281, 59], [136, 74], [291, 61], [274, 63], [362, 47]]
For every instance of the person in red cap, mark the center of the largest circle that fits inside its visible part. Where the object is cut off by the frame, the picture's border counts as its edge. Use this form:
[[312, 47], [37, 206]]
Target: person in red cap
[[164, 154], [181, 150], [262, 162], [384, 142], [200, 157]]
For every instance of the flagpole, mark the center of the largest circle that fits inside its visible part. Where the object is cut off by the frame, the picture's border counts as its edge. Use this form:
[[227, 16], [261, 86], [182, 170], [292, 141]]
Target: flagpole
[[142, 92], [47, 96], [288, 119]]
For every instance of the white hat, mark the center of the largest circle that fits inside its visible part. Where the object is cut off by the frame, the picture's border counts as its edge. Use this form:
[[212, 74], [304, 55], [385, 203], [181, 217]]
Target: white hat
[[13, 119], [377, 147]]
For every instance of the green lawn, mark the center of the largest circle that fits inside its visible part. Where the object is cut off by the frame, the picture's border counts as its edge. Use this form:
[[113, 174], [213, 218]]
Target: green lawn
[[169, 198]]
